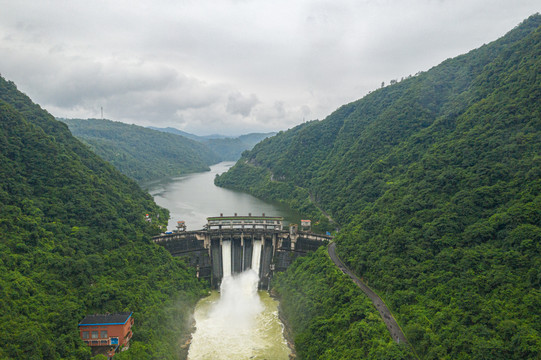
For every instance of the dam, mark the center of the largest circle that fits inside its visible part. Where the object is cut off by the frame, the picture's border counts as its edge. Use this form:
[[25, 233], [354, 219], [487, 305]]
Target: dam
[[232, 244]]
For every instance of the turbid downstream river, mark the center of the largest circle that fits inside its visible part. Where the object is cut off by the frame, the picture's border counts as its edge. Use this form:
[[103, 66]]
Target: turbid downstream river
[[238, 322]]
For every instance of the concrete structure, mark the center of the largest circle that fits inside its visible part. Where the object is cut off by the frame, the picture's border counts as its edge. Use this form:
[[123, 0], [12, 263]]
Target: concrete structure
[[306, 225], [181, 226], [202, 249], [106, 333], [245, 222]]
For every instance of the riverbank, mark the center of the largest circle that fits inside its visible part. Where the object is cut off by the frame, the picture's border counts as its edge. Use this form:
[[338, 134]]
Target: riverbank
[[186, 340], [286, 328]]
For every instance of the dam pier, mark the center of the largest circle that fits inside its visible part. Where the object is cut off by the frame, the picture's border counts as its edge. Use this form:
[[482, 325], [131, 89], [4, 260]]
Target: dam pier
[[232, 244]]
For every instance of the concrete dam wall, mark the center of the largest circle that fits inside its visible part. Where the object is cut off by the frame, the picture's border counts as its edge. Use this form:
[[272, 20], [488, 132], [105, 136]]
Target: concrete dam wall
[[274, 249]]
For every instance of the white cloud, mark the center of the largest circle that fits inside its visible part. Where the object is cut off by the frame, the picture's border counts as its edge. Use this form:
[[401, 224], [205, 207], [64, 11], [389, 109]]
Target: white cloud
[[232, 66]]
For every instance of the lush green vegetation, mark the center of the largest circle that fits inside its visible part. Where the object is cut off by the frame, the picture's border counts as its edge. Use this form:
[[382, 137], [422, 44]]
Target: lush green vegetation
[[231, 149], [436, 183], [330, 316], [172, 130], [152, 153], [254, 173], [140, 153], [226, 148], [74, 240]]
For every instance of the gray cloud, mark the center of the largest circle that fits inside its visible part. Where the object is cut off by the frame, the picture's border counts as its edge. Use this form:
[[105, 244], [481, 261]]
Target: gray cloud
[[240, 104], [232, 66]]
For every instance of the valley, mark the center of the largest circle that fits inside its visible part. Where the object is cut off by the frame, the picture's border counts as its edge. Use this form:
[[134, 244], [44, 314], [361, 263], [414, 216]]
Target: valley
[[430, 187]]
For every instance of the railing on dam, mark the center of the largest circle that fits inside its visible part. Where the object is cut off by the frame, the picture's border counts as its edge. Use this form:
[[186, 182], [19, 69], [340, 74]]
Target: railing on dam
[[277, 249]]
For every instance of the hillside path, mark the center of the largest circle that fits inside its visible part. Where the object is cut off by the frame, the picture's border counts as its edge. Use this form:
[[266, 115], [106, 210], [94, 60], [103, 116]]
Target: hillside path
[[392, 326]]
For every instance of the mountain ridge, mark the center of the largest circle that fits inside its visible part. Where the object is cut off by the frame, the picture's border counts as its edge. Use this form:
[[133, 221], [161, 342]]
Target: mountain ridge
[[228, 148], [435, 183], [147, 154], [74, 240], [141, 153]]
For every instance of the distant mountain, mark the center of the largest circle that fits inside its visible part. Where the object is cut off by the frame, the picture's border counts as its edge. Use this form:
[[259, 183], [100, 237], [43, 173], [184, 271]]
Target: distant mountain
[[436, 184], [230, 149], [141, 153], [253, 138], [74, 240], [176, 132], [188, 135], [226, 148]]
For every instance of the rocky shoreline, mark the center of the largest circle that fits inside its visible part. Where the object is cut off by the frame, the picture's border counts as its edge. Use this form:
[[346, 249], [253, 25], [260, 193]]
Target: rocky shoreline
[[287, 332], [186, 340]]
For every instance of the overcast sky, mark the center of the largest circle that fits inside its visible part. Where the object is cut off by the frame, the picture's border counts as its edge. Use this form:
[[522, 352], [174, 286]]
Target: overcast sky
[[232, 66]]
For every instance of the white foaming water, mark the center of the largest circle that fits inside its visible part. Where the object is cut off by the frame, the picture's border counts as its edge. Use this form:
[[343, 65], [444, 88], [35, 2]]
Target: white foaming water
[[256, 256], [226, 259], [239, 322], [236, 324], [239, 303]]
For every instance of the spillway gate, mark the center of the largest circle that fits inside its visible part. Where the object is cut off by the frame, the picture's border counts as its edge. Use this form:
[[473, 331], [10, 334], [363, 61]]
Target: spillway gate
[[233, 244]]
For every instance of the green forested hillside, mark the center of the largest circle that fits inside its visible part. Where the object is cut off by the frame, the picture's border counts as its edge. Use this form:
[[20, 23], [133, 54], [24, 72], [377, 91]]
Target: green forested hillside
[[140, 153], [172, 130], [231, 149], [330, 316], [436, 183], [226, 148], [74, 241]]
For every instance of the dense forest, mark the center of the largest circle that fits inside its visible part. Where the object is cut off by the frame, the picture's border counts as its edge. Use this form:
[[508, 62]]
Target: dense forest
[[226, 148], [231, 149], [74, 241], [435, 183], [331, 317], [141, 153]]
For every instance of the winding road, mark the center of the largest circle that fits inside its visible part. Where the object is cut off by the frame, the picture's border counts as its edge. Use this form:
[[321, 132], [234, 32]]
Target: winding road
[[392, 326]]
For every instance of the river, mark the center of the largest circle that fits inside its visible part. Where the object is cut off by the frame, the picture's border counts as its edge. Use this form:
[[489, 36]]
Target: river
[[238, 322], [194, 197]]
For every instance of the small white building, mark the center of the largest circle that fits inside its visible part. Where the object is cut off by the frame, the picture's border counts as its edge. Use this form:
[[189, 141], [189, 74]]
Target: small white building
[[306, 225]]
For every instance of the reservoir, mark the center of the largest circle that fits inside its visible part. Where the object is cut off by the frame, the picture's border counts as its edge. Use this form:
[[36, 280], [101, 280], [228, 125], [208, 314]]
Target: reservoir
[[194, 197], [238, 322]]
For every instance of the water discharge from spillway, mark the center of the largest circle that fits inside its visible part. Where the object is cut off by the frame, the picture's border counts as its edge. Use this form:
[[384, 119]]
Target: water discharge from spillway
[[226, 259], [239, 322], [256, 256], [193, 198]]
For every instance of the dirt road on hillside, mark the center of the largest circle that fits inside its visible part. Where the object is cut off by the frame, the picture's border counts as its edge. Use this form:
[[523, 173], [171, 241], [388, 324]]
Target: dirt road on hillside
[[392, 326]]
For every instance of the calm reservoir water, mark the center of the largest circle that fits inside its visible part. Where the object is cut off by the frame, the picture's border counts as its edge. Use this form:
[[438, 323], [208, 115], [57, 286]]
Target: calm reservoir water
[[238, 322], [194, 197]]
